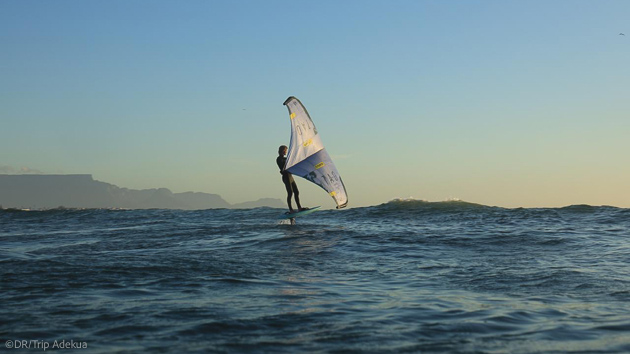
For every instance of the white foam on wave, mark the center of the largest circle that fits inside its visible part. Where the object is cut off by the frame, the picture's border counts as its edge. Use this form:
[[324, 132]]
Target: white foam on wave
[[408, 199], [412, 199]]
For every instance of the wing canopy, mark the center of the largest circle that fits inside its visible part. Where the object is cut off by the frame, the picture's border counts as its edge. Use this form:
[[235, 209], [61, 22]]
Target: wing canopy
[[307, 156]]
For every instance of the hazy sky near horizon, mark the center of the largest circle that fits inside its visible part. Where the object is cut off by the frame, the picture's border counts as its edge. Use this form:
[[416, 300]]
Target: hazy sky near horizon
[[507, 103]]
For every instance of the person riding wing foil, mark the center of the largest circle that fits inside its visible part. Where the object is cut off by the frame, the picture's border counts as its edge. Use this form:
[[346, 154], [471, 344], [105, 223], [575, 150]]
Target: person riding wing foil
[[287, 179]]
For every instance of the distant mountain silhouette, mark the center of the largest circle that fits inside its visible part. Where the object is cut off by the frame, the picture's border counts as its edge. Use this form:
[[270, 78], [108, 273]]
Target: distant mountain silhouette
[[262, 202], [82, 191]]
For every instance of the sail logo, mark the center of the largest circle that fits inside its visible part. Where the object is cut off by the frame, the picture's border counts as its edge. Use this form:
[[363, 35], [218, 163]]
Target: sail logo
[[308, 142], [319, 165]]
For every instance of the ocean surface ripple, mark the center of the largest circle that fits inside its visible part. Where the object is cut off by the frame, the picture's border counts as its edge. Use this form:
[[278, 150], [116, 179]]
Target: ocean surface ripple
[[405, 276]]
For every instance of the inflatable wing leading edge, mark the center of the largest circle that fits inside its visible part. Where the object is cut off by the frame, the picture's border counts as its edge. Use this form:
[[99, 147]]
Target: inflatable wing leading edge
[[307, 157]]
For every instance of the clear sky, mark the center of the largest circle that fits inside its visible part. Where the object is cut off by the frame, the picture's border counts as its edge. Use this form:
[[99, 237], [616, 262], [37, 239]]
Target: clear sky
[[507, 103]]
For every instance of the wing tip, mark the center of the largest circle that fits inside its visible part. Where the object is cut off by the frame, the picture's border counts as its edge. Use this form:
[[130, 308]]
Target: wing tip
[[342, 206], [289, 99]]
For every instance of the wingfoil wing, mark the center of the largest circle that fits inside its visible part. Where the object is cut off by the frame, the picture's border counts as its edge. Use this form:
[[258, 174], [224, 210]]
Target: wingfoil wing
[[307, 156]]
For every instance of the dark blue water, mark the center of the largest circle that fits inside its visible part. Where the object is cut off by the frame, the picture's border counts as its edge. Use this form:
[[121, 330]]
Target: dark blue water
[[448, 277]]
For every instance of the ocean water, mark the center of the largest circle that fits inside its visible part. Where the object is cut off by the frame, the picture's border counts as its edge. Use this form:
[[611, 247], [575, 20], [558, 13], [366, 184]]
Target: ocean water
[[405, 276]]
